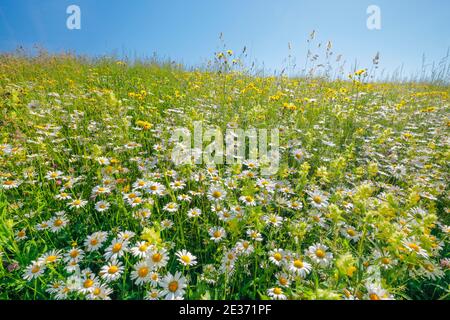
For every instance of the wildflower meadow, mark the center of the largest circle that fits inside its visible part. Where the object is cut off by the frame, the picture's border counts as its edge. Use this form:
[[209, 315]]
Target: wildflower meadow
[[93, 205]]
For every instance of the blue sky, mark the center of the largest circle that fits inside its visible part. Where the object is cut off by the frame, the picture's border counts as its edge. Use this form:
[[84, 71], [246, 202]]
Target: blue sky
[[188, 31]]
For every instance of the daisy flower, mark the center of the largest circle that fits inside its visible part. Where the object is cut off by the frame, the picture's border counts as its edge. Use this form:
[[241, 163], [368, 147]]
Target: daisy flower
[[74, 254], [53, 175], [298, 154], [254, 235], [102, 206], [21, 235], [88, 282], [173, 286], [273, 219], [58, 222], [295, 205], [44, 225], [141, 249], [155, 188], [283, 279], [184, 197], [126, 235], [99, 292], [248, 200], [413, 246], [376, 292], [103, 161], [140, 184], [186, 258], [50, 257], [153, 294], [276, 256], [142, 214], [299, 267], [177, 185], [318, 200], [100, 190], [34, 270], [158, 258], [141, 273], [10, 184], [154, 278], [77, 203], [63, 196], [216, 194], [319, 254], [116, 249], [276, 293], [112, 271], [350, 233], [166, 224], [171, 207], [194, 212], [95, 241], [217, 234], [244, 247]]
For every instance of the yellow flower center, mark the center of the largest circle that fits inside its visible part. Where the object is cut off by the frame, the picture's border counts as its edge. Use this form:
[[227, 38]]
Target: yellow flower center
[[113, 269], [351, 232], [217, 194], [414, 247], [185, 259], [374, 296], [277, 290], [51, 258], [93, 242], [385, 260], [317, 199], [73, 254], [88, 283], [217, 234], [298, 264], [283, 281], [58, 223], [116, 248], [173, 286], [157, 257], [320, 253], [35, 269], [143, 272], [97, 291], [277, 256], [143, 248]]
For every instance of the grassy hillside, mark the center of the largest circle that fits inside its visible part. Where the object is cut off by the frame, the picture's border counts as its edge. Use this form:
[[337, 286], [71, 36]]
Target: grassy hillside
[[92, 207]]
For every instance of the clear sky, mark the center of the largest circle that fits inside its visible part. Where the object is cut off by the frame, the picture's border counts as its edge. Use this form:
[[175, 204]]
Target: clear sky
[[188, 30]]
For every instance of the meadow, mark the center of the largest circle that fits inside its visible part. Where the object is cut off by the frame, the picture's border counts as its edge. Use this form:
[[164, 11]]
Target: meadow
[[92, 207]]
